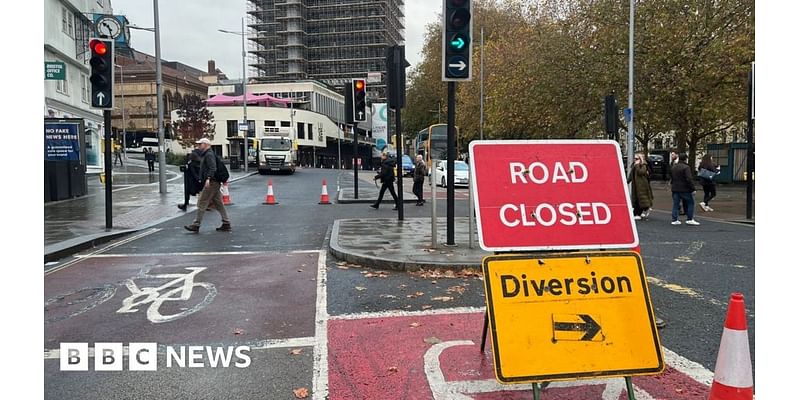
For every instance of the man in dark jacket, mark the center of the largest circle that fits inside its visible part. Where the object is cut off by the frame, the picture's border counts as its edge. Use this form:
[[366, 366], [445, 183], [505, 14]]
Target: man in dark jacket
[[386, 175], [420, 171], [682, 190], [211, 189], [192, 185]]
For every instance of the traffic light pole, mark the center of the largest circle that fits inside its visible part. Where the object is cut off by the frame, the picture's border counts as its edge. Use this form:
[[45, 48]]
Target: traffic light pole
[[399, 147], [162, 162], [451, 163], [355, 160], [750, 154], [107, 162]]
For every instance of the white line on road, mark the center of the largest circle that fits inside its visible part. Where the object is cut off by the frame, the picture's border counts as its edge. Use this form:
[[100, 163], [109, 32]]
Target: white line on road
[[401, 313], [320, 383], [691, 251], [103, 249]]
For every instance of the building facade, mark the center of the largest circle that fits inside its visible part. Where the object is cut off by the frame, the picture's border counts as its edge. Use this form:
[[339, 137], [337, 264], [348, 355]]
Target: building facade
[[67, 29], [331, 41], [135, 94]]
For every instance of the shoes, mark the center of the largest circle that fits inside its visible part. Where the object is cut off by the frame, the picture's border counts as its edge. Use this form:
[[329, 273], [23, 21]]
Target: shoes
[[420, 203], [709, 208], [182, 207], [692, 222], [225, 227], [646, 214], [375, 206], [705, 207], [192, 228], [638, 218], [676, 222]]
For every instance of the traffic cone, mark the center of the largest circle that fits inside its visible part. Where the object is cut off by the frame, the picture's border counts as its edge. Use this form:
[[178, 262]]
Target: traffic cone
[[324, 198], [270, 199], [733, 375], [226, 194]]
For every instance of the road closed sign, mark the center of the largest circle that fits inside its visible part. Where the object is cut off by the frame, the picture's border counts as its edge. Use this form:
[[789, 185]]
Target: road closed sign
[[569, 316], [551, 195]]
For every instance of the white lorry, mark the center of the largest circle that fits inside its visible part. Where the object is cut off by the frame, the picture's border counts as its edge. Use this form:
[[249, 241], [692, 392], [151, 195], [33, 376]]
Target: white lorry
[[276, 154]]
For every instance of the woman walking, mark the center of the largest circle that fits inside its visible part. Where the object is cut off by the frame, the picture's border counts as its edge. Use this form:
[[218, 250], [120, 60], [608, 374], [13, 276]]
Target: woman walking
[[707, 171], [641, 193]]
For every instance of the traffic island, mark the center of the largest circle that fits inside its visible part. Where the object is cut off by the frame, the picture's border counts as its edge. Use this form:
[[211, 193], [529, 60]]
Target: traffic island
[[368, 190], [386, 243]]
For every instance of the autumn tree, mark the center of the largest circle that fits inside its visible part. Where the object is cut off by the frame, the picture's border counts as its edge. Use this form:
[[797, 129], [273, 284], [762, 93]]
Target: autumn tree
[[194, 121]]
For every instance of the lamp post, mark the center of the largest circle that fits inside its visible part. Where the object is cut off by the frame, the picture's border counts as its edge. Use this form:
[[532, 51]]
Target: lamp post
[[244, 94], [162, 173]]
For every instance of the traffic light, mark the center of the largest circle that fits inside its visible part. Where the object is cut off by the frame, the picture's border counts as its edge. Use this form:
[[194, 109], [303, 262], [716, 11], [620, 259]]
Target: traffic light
[[612, 117], [456, 40], [359, 100], [102, 77], [396, 65]]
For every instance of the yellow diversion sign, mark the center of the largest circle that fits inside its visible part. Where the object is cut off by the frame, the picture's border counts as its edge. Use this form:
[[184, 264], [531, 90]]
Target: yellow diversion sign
[[570, 315]]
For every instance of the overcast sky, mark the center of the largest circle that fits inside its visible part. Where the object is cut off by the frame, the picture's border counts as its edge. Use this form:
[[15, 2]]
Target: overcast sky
[[189, 30]]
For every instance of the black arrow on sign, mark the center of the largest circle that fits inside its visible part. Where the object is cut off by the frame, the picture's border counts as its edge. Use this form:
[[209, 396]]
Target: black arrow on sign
[[589, 325]]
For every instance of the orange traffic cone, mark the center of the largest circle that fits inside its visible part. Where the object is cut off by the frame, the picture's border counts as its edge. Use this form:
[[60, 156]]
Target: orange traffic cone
[[270, 199], [324, 197], [226, 194], [733, 375]]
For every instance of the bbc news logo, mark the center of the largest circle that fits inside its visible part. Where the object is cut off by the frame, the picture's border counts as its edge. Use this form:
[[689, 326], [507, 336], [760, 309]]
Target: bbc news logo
[[144, 356]]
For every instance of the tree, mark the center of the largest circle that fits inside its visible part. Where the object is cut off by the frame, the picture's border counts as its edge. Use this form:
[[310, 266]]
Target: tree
[[194, 121]]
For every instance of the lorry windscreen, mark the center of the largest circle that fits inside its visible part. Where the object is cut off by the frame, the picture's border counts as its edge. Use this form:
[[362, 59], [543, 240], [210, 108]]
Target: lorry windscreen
[[276, 144]]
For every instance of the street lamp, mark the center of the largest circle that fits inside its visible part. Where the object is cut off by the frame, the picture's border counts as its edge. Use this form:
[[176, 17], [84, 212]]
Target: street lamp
[[244, 93], [124, 125]]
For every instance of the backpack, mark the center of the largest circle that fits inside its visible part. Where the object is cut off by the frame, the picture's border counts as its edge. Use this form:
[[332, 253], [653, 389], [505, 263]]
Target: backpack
[[222, 175]]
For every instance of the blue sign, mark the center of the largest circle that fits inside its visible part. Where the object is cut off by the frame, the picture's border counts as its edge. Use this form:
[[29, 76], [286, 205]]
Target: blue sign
[[62, 142], [113, 27], [628, 115], [380, 144]]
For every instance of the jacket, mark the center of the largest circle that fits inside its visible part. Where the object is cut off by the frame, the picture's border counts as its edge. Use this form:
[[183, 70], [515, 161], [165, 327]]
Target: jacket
[[420, 171], [386, 174], [208, 165], [681, 175], [642, 193], [192, 173]]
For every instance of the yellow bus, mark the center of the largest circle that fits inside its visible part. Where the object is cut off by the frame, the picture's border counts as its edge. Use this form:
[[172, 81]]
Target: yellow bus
[[431, 143]]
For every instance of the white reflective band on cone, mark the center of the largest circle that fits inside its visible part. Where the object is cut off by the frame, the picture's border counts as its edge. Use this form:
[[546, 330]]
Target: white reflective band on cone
[[734, 367]]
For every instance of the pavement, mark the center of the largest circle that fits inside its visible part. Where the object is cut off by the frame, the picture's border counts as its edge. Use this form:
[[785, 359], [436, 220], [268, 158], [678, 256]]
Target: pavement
[[368, 190], [75, 224]]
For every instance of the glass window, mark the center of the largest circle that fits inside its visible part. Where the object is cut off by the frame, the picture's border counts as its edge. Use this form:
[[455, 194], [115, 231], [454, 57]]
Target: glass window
[[233, 128], [269, 123], [64, 26], [286, 124], [276, 144], [301, 133], [85, 88], [62, 86]]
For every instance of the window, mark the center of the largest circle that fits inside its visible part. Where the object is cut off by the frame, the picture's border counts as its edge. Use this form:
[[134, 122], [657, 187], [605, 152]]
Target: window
[[286, 124], [62, 86], [301, 132], [233, 128], [85, 88], [67, 22], [269, 123]]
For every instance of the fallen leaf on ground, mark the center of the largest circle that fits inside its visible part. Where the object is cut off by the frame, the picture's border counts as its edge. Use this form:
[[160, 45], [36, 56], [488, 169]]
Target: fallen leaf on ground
[[301, 393], [415, 295], [443, 298], [388, 296], [432, 340], [415, 324], [360, 288], [299, 270], [296, 352], [456, 289], [342, 266], [433, 282], [238, 331], [426, 306], [341, 263], [392, 369], [380, 274], [403, 286]]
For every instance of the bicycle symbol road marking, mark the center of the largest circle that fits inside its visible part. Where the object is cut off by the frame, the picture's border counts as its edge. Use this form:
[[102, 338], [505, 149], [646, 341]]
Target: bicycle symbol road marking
[[179, 288]]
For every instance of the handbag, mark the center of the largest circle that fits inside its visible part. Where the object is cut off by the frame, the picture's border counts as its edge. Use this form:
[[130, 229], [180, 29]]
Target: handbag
[[706, 174]]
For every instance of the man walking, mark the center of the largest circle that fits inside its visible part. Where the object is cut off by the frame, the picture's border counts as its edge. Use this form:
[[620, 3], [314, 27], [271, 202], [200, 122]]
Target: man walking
[[386, 176], [211, 177], [682, 190], [150, 157], [420, 171], [118, 154]]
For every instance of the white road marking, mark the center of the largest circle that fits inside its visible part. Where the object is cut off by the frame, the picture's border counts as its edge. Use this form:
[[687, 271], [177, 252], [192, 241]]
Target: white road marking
[[320, 383], [103, 249], [691, 251], [182, 291], [400, 313]]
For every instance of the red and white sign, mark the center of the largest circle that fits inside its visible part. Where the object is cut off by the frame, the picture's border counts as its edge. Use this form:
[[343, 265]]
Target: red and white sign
[[551, 195]]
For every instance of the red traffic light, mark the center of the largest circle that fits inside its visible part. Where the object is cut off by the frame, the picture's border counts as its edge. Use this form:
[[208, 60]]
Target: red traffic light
[[359, 85], [98, 47]]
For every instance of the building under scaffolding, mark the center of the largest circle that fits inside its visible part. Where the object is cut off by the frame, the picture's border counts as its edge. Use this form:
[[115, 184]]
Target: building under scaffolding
[[331, 41]]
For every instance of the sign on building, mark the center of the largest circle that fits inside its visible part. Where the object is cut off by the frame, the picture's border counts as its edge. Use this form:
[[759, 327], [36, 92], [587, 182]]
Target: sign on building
[[55, 70], [380, 123], [62, 142], [551, 195], [560, 316]]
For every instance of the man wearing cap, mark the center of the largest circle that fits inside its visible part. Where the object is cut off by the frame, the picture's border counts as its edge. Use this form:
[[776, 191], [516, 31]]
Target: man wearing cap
[[211, 188]]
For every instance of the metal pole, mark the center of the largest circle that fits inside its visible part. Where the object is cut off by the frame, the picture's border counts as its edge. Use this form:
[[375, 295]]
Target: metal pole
[[162, 176], [355, 160], [750, 149], [631, 137], [451, 163], [124, 133], [629, 388], [107, 163], [244, 103], [339, 140], [399, 148], [433, 205], [481, 127], [471, 214]]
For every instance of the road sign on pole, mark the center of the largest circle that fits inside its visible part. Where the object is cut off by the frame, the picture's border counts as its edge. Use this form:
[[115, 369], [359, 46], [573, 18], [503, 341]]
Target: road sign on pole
[[551, 195], [587, 315]]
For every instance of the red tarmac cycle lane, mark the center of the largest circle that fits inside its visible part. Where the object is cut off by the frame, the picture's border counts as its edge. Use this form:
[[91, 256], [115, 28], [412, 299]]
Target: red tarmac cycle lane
[[438, 357], [235, 298]]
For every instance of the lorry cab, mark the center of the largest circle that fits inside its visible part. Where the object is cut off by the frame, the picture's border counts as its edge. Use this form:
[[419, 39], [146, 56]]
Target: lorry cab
[[276, 154]]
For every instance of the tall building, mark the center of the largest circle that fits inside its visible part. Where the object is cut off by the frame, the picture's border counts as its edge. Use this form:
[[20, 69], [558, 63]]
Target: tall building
[[67, 29], [331, 41]]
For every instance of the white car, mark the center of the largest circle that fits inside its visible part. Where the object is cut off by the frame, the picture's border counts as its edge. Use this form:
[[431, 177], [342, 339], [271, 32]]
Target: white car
[[461, 174]]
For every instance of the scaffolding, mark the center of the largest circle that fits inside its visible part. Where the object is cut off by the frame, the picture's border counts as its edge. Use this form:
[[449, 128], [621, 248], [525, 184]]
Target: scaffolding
[[331, 41]]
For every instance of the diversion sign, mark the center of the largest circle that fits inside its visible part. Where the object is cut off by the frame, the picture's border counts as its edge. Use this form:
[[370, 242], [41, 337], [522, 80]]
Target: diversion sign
[[563, 316], [62, 141]]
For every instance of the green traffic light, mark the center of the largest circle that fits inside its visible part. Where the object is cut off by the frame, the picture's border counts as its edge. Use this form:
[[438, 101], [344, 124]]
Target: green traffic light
[[458, 42]]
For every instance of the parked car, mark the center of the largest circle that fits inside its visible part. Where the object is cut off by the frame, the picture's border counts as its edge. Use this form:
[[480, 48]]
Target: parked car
[[461, 173], [664, 172], [408, 165], [658, 166]]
